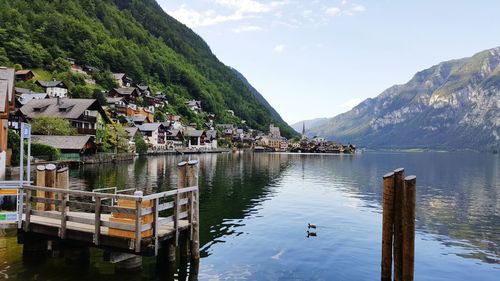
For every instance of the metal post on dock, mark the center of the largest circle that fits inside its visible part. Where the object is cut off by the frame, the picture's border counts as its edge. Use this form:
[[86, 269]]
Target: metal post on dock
[[387, 227]]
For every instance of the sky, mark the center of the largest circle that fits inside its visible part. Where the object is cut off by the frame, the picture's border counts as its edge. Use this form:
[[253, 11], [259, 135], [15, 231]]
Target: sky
[[319, 58]]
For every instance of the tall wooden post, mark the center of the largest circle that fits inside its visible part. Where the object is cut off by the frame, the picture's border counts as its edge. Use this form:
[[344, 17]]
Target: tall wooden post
[[398, 227], [192, 178], [40, 181], [387, 227], [181, 183], [50, 181], [409, 227], [63, 182]]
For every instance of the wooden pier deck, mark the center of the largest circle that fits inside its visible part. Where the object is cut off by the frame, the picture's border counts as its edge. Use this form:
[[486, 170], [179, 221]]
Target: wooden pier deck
[[133, 224]]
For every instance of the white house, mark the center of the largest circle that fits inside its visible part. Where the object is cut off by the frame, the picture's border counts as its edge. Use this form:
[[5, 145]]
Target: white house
[[54, 88], [154, 134]]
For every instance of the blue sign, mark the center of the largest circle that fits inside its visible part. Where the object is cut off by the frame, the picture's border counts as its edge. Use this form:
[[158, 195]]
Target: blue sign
[[26, 131]]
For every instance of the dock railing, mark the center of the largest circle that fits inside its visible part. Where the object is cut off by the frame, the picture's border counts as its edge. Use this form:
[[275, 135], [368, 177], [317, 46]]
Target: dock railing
[[135, 207]]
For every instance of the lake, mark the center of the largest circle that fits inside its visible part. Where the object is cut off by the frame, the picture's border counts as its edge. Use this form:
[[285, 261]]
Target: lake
[[255, 209]]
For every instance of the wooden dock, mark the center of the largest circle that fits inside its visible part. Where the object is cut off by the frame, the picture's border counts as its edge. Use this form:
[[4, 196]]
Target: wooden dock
[[137, 224]]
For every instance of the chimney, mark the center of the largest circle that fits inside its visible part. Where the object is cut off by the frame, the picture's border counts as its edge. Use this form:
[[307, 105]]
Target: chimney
[[53, 79]]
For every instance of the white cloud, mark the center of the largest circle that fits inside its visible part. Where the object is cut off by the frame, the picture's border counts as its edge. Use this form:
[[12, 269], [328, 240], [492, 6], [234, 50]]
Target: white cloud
[[344, 2], [246, 28], [350, 11], [350, 104], [251, 6], [307, 13], [279, 48], [194, 18]]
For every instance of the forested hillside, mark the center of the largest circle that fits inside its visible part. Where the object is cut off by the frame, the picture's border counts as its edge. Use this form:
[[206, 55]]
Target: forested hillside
[[131, 36]]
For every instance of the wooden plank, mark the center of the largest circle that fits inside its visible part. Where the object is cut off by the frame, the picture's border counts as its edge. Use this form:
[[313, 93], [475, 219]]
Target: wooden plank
[[165, 206], [183, 215], [45, 200], [88, 193]]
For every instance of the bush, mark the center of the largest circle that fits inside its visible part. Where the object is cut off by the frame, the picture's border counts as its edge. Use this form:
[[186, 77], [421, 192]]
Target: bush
[[141, 146], [45, 125], [40, 149]]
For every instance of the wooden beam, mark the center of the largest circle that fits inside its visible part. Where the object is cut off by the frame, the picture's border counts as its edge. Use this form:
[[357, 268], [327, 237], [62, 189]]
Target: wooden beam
[[409, 228], [387, 227]]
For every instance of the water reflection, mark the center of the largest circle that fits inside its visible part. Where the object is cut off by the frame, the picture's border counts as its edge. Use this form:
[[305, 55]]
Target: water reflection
[[255, 209]]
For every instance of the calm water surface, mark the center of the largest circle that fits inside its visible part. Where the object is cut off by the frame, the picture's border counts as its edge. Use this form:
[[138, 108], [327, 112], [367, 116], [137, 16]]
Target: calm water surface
[[255, 209]]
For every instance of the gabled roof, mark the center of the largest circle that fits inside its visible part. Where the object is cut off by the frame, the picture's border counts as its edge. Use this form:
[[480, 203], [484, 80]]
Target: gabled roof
[[23, 72], [125, 91], [149, 127], [193, 133], [25, 98], [73, 108], [143, 88], [63, 142], [118, 76], [113, 100], [212, 134], [51, 84], [131, 131], [138, 118]]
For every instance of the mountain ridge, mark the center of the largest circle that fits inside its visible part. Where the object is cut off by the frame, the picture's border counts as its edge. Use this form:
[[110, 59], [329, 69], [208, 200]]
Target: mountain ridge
[[451, 105]]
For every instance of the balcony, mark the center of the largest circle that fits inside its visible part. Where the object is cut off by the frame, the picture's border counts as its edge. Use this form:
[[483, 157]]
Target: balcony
[[86, 131]]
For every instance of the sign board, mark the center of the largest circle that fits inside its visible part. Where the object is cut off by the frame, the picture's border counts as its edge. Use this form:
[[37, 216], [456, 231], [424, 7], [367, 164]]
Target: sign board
[[8, 191], [8, 217], [26, 131]]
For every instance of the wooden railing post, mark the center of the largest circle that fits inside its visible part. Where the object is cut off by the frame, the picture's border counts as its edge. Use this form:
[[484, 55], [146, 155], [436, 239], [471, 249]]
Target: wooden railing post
[[97, 230], [40, 181], [399, 175], [409, 227], [156, 224], [387, 227], [181, 183], [192, 176], [28, 210], [138, 221], [63, 182]]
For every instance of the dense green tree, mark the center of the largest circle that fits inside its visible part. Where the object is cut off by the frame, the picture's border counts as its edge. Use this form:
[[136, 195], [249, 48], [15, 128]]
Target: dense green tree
[[159, 116], [46, 125], [141, 146]]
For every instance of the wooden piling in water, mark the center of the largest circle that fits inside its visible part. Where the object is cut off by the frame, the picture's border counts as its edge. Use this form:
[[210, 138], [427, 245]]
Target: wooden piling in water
[[387, 227], [40, 181], [50, 181], [398, 226], [192, 180], [409, 227], [63, 183]]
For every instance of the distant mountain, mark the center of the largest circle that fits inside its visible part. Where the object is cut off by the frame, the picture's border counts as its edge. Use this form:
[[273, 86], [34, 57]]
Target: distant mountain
[[309, 124], [452, 105], [132, 36]]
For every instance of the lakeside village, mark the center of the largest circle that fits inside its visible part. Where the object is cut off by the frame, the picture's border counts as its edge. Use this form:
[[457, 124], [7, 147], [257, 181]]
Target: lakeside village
[[128, 119]]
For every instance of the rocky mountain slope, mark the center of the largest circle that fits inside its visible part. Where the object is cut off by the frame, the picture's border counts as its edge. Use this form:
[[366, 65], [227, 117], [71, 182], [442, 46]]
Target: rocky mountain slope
[[452, 105]]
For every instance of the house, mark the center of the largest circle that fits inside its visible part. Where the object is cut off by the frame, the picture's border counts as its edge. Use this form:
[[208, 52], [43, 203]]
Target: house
[[118, 105], [24, 75], [278, 144], [154, 134], [175, 139], [274, 132], [7, 99], [132, 132], [133, 110], [86, 115], [129, 94], [23, 96], [82, 145], [211, 139], [54, 88], [194, 105], [196, 138], [145, 90], [121, 79], [138, 119]]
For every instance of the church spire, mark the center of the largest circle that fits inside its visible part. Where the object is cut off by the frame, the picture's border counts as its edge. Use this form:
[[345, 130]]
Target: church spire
[[303, 130]]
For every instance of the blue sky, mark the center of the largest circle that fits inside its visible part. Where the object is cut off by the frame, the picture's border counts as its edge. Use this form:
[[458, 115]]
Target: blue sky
[[320, 58]]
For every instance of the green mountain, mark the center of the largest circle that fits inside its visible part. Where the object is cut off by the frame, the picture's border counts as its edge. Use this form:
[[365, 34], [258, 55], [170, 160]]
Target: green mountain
[[132, 36], [452, 105]]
